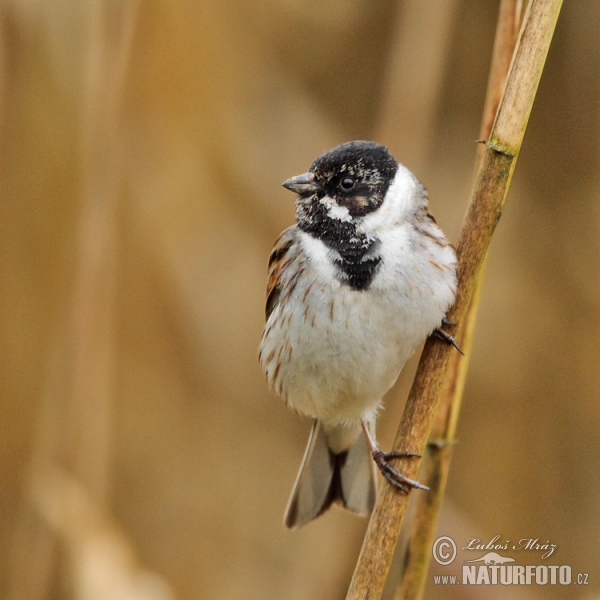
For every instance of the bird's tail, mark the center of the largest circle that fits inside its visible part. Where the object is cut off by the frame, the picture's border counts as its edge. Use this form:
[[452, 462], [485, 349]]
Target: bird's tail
[[326, 477]]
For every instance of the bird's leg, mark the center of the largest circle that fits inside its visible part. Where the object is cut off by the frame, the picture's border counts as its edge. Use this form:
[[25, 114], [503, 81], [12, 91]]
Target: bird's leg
[[440, 334], [382, 460]]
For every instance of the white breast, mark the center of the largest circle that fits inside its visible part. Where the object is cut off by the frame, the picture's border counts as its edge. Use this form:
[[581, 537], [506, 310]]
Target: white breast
[[338, 350]]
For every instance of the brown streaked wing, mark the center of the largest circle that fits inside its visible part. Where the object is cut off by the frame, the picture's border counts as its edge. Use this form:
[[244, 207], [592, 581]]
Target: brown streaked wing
[[277, 261]]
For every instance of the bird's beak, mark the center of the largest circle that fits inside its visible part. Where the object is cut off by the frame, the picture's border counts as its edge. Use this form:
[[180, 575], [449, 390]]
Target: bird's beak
[[302, 184]]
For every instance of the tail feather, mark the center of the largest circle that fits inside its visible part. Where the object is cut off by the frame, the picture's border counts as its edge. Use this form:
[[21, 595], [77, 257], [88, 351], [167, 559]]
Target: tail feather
[[345, 478]]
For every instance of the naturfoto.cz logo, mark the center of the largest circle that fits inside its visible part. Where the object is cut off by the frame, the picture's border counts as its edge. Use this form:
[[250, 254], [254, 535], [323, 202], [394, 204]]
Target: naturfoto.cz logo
[[495, 568]]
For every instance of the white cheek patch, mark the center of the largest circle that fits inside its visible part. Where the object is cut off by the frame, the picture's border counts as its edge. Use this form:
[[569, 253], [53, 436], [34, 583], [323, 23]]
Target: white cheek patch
[[334, 210]]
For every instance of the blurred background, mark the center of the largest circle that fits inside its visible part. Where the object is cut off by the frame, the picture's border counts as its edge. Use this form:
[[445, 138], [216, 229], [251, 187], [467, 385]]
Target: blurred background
[[142, 149]]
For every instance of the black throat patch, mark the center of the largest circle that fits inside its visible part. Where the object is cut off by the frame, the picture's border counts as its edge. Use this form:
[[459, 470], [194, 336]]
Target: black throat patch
[[358, 261]]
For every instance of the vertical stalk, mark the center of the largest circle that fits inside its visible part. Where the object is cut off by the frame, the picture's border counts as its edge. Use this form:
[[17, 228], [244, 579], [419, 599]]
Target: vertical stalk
[[485, 208], [434, 472]]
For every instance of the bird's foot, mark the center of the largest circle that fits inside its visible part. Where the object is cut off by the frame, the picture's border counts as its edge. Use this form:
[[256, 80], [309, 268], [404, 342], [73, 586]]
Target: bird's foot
[[393, 475], [382, 460], [440, 334]]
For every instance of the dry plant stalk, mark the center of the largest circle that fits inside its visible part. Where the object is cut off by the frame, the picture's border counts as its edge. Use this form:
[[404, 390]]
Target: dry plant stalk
[[485, 208], [76, 408], [436, 464]]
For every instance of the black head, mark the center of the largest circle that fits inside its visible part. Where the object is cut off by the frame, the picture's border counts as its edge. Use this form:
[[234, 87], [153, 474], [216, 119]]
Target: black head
[[341, 187], [355, 175]]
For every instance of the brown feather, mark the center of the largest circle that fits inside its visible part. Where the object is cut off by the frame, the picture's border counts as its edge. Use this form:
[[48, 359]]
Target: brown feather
[[277, 261]]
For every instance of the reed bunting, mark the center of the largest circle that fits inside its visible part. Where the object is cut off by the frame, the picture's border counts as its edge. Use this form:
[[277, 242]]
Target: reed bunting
[[353, 289]]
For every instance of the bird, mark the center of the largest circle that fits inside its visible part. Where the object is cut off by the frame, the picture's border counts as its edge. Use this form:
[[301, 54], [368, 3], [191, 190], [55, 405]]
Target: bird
[[354, 287]]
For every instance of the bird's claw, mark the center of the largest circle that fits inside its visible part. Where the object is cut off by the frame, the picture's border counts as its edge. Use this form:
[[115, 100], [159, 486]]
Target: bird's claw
[[440, 334], [393, 475]]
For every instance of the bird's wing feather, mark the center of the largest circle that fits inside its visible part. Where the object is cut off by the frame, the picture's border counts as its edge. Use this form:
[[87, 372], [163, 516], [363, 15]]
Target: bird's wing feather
[[278, 258]]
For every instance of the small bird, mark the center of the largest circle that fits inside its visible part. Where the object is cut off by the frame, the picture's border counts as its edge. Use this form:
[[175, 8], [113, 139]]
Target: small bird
[[353, 289]]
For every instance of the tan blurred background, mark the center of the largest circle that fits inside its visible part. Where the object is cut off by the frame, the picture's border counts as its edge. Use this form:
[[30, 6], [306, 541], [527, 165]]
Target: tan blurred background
[[142, 148]]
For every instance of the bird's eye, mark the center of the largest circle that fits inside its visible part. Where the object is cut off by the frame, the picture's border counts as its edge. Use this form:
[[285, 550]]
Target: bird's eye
[[347, 183]]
